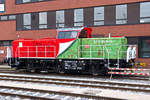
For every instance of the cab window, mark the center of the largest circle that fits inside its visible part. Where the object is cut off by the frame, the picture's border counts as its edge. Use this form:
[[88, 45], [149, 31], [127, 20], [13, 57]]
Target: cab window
[[67, 34]]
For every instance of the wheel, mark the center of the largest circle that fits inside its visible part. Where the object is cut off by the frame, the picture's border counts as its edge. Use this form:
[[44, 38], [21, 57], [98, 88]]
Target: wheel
[[37, 71], [60, 69], [33, 70], [28, 69], [94, 71], [95, 74]]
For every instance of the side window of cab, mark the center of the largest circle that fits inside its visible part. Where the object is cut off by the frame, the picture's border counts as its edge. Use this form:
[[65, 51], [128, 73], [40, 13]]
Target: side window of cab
[[85, 34]]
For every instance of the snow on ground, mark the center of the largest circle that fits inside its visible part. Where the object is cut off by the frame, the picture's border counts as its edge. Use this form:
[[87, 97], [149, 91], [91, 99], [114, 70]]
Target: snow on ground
[[98, 92]]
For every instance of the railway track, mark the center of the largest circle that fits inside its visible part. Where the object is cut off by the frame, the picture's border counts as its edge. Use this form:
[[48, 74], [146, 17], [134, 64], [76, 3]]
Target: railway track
[[36, 94], [80, 83], [69, 81], [142, 78]]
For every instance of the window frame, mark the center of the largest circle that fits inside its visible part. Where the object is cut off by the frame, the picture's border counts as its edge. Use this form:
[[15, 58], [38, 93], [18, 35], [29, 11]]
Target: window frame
[[8, 17], [4, 19], [59, 23], [31, 1], [140, 46], [121, 18], [99, 20], [78, 22], [64, 34], [43, 24], [141, 17], [12, 18], [6, 42], [28, 25]]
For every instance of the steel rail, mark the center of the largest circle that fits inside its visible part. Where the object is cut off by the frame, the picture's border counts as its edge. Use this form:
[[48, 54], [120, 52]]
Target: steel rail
[[84, 85], [57, 93], [83, 76], [26, 96], [83, 81]]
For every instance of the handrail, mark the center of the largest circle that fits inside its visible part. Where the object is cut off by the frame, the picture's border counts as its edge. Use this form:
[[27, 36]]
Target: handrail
[[27, 51], [104, 48]]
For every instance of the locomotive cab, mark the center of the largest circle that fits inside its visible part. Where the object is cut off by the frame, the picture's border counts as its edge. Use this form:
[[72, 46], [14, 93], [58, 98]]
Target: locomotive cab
[[85, 33], [74, 33]]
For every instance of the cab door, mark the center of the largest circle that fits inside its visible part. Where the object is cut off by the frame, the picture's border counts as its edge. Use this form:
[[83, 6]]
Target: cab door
[[85, 33]]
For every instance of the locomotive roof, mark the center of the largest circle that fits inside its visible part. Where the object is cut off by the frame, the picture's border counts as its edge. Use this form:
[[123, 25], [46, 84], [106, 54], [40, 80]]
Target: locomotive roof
[[69, 29]]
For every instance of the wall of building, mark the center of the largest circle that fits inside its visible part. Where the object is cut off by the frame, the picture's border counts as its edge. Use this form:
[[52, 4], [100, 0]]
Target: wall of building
[[8, 30], [12, 8], [123, 30], [37, 34]]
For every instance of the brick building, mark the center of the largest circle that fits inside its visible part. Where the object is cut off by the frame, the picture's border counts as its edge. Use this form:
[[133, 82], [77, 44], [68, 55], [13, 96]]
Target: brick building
[[40, 18]]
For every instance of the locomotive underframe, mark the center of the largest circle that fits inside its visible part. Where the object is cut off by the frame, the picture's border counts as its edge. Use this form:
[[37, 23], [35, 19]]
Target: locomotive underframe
[[89, 66]]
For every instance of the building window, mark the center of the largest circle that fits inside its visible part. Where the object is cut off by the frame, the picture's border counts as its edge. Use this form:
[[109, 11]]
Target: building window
[[38, 0], [34, 0], [28, 1], [7, 17], [18, 1], [60, 18], [145, 12], [99, 16], [25, 1], [144, 48], [6, 43], [121, 14], [42, 20], [4, 17], [12, 17], [132, 40], [27, 21], [78, 17]]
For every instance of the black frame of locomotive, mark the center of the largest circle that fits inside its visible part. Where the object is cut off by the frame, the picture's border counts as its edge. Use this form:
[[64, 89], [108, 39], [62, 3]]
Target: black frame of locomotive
[[82, 66]]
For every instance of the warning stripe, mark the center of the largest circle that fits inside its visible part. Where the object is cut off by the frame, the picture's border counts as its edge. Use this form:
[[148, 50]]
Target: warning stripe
[[124, 73], [134, 69]]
